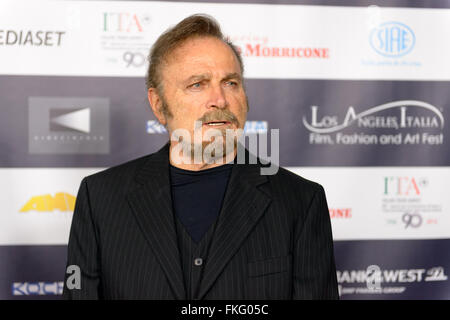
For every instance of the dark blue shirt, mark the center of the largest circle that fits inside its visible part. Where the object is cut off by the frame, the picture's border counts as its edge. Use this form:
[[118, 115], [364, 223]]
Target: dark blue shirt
[[197, 197]]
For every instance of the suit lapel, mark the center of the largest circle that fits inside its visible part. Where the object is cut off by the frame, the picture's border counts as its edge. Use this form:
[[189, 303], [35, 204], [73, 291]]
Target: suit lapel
[[243, 206], [151, 204]]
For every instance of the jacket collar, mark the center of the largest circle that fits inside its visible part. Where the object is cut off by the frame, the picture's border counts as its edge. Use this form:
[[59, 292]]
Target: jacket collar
[[244, 204]]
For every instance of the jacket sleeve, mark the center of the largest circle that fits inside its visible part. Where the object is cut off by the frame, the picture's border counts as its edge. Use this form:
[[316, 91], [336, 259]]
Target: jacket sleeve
[[314, 269], [83, 252]]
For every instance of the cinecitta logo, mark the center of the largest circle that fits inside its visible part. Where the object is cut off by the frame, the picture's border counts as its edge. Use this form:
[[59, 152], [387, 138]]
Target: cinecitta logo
[[68, 125], [76, 119], [329, 124], [392, 39]]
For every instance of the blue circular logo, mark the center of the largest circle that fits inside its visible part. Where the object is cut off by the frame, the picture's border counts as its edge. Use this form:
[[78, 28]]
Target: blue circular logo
[[392, 39]]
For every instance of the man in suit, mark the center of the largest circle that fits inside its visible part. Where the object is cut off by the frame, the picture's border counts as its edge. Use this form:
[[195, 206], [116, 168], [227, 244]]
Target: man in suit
[[165, 227]]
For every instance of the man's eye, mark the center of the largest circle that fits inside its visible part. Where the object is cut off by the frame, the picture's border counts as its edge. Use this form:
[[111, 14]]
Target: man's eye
[[195, 85], [232, 83]]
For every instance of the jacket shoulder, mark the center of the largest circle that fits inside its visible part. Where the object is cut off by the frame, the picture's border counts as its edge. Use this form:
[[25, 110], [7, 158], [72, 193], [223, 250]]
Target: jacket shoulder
[[295, 181], [294, 193], [121, 174]]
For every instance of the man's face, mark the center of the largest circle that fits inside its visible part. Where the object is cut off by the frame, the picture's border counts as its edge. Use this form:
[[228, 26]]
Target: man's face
[[202, 82]]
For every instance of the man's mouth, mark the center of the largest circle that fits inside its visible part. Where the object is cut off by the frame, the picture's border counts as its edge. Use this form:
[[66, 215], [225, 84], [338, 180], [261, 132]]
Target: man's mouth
[[217, 123]]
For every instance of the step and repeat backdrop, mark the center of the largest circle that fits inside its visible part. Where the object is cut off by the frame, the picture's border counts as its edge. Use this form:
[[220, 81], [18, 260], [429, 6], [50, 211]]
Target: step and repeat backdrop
[[360, 94]]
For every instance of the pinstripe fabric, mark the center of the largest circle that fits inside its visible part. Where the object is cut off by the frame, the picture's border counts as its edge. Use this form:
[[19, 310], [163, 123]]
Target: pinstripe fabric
[[272, 239]]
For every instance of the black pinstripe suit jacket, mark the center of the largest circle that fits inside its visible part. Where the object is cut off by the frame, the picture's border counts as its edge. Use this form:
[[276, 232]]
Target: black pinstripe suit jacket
[[272, 240]]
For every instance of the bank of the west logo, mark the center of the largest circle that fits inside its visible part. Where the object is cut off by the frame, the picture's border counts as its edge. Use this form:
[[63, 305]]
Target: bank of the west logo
[[61, 201], [68, 125], [370, 118], [392, 39]]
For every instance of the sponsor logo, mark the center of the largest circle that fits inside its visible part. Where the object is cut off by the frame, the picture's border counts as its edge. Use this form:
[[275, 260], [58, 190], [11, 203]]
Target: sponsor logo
[[397, 115], [407, 202], [255, 127], [259, 47], [37, 288], [61, 201], [375, 280], [258, 50], [133, 59], [124, 39], [412, 220], [66, 120], [391, 43], [250, 127], [392, 39], [38, 38], [60, 125], [391, 275], [124, 22], [154, 127], [340, 213], [403, 186], [367, 118]]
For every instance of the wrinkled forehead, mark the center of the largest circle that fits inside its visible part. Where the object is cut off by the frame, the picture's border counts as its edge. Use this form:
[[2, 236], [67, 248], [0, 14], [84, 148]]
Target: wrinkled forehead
[[201, 55]]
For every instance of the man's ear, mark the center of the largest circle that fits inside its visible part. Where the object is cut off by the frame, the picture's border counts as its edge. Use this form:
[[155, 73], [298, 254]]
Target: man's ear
[[156, 104]]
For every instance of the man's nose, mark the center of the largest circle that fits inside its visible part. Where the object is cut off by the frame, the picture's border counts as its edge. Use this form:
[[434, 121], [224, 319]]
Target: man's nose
[[217, 98]]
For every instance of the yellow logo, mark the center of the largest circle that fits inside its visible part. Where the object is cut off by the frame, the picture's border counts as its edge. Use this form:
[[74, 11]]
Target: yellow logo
[[46, 203]]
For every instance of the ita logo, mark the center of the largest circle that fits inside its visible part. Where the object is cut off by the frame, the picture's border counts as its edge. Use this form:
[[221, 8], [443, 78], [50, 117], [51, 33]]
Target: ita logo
[[392, 39], [404, 186]]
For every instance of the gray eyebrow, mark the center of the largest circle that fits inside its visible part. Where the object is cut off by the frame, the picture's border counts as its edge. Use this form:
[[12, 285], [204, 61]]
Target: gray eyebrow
[[197, 77], [233, 75], [200, 77]]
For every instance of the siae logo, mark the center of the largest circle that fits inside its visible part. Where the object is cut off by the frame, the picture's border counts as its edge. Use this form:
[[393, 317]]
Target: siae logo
[[62, 201], [392, 39]]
